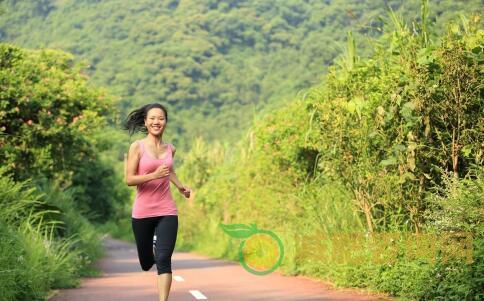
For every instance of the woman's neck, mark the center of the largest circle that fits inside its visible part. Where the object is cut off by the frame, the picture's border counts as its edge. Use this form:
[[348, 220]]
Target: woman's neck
[[155, 140]]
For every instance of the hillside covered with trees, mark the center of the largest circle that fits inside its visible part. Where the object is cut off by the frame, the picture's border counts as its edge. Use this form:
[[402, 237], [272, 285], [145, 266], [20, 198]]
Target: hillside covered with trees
[[215, 64]]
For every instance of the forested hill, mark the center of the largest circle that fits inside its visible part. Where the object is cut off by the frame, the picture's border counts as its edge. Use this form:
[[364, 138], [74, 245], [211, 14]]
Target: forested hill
[[214, 62]]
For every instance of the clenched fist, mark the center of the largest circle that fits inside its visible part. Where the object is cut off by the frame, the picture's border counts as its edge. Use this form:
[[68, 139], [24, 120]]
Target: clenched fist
[[185, 191], [161, 171]]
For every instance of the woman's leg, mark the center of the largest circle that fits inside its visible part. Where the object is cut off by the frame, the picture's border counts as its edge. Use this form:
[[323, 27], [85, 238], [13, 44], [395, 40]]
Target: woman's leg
[[143, 229], [166, 233]]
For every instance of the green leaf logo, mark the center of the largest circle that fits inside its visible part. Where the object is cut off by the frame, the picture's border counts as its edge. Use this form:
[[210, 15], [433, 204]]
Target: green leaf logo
[[259, 249], [239, 230]]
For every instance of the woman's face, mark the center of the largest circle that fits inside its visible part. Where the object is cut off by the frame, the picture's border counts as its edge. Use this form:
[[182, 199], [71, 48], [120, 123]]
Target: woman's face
[[155, 121]]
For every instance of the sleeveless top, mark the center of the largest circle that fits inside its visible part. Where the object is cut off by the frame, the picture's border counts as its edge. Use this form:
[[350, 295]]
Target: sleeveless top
[[153, 198]]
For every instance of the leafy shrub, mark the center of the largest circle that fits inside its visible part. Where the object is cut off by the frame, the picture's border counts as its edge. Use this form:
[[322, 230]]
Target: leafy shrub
[[368, 151], [45, 244]]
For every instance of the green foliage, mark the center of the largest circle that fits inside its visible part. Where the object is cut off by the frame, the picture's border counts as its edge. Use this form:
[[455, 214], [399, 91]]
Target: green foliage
[[367, 152], [385, 126], [52, 142], [45, 242], [457, 205], [212, 62], [202, 160], [99, 190], [73, 224], [9, 246], [52, 126], [48, 114]]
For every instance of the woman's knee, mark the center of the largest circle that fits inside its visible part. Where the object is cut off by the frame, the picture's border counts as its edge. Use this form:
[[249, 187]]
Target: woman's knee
[[165, 268], [146, 258], [162, 256], [146, 266], [163, 261]]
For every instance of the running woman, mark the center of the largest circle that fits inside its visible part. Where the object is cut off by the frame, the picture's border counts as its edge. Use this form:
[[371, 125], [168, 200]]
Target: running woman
[[149, 167]]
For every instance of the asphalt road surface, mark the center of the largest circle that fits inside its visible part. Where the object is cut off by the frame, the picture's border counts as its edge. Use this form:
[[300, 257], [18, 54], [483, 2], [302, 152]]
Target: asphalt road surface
[[196, 277]]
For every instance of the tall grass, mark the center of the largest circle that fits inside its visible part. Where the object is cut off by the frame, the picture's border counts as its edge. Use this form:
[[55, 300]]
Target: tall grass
[[44, 243]]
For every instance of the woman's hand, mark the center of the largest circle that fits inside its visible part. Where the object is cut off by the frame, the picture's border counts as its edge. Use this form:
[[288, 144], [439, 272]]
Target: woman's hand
[[185, 191], [161, 171]]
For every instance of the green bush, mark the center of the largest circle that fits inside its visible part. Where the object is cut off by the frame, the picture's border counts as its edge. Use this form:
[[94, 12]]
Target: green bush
[[74, 228], [46, 243], [10, 265], [367, 154], [48, 114]]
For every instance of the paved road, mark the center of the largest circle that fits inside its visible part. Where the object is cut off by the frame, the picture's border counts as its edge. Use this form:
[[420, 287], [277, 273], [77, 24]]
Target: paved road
[[195, 277]]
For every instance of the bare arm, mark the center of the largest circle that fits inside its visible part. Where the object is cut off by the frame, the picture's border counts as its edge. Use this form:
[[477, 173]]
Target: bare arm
[[174, 179], [131, 165]]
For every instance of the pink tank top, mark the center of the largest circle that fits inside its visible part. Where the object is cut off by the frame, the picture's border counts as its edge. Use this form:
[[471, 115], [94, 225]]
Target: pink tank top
[[153, 198]]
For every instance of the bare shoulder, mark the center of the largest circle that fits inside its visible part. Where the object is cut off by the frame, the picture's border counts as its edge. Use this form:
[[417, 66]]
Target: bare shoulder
[[134, 148], [134, 145]]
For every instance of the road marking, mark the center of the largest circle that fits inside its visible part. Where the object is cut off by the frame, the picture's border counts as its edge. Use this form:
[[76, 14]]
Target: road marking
[[178, 278], [198, 295]]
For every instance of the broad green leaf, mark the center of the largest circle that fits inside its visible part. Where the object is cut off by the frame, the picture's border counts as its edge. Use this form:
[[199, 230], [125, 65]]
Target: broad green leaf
[[466, 150], [389, 161]]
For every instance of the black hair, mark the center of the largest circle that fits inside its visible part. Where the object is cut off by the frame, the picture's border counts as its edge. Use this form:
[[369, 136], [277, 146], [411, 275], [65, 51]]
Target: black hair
[[136, 119]]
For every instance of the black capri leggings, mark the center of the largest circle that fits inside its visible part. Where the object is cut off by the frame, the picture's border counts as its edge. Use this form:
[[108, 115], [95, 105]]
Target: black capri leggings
[[166, 228]]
